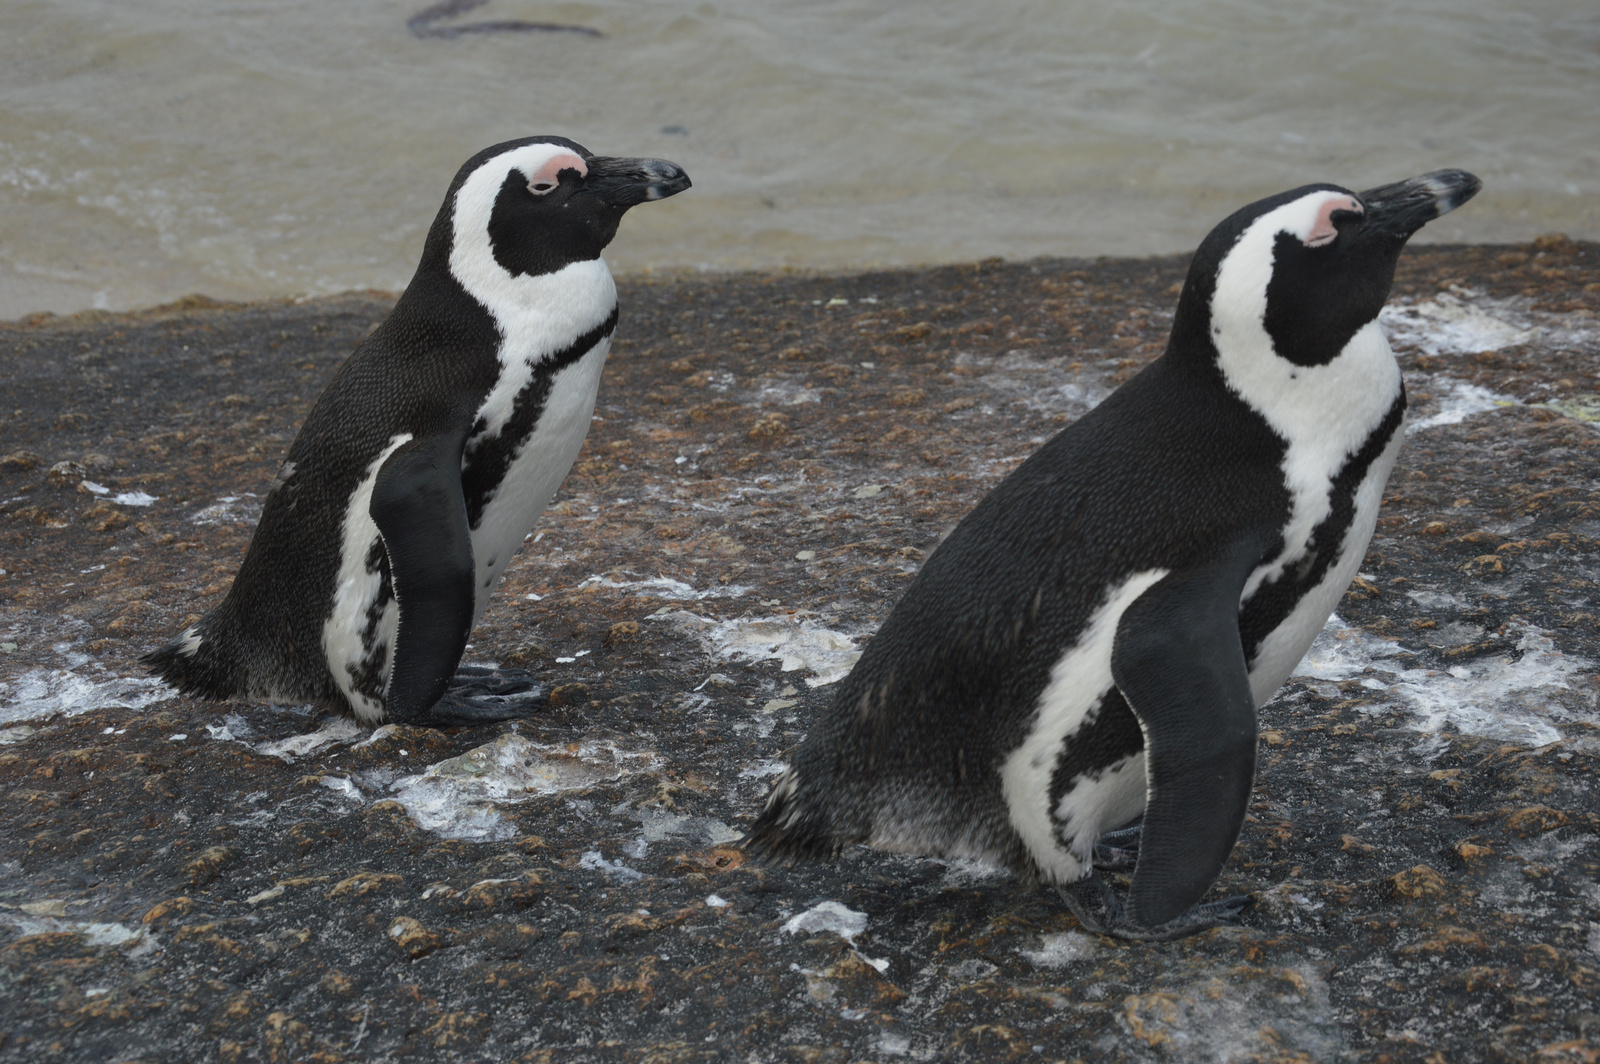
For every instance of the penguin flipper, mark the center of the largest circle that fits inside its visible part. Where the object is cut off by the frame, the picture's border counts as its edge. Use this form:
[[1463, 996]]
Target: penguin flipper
[[1178, 660], [421, 513]]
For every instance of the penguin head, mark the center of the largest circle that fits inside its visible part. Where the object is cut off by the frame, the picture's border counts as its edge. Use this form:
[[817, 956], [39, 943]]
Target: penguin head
[[1307, 269], [534, 206]]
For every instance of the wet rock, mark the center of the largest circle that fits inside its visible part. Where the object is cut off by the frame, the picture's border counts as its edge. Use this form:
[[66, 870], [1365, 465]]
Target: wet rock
[[570, 694], [208, 865], [1421, 840], [1418, 882], [66, 474], [622, 632], [768, 427], [412, 938], [20, 461], [364, 883]]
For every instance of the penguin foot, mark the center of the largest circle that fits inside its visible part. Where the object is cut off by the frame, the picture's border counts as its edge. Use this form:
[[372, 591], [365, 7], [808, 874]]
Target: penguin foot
[[480, 695], [479, 681], [1100, 909], [1118, 851]]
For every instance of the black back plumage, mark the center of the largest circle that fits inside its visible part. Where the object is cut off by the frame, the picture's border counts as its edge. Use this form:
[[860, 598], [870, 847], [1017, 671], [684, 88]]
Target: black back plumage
[[1174, 471], [268, 628], [424, 371], [982, 624]]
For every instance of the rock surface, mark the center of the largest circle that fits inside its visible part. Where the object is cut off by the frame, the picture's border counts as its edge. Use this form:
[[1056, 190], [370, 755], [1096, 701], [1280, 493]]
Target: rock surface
[[771, 457]]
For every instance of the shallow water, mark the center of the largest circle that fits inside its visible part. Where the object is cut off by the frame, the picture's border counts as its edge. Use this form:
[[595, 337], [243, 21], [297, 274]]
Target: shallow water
[[150, 148]]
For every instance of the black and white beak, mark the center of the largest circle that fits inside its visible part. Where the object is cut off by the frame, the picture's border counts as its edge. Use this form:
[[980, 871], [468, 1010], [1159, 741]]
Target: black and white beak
[[628, 182], [1400, 209]]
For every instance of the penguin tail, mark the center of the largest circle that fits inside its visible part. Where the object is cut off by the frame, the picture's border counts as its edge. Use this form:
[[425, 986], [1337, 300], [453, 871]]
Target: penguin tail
[[192, 662], [794, 826]]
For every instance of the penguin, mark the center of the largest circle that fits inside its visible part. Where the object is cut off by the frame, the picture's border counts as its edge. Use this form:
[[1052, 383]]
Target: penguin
[[431, 453], [1090, 644]]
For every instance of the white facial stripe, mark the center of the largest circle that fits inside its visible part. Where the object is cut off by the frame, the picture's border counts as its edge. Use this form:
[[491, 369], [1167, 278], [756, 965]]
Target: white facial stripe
[[1301, 218], [1239, 304], [550, 172], [1078, 684], [536, 316], [1324, 413], [475, 199]]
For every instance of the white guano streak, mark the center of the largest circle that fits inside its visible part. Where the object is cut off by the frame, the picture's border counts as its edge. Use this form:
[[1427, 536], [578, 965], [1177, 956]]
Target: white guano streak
[[1078, 683]]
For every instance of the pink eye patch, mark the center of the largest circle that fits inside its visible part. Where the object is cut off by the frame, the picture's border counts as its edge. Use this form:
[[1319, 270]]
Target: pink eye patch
[[549, 175], [1323, 231]]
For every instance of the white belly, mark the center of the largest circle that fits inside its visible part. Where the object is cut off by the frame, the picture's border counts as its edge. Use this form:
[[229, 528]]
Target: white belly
[[1061, 841], [536, 472], [1283, 648], [357, 638]]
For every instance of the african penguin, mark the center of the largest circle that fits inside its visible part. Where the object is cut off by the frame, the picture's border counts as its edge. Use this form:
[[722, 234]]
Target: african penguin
[[431, 453], [1092, 641]]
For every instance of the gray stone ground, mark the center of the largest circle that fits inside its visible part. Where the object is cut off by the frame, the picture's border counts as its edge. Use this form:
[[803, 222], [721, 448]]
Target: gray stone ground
[[181, 880]]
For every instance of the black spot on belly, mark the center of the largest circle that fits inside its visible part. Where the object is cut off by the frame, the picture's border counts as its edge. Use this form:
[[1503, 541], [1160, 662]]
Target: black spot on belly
[[366, 675], [1108, 735], [1274, 600], [487, 458]]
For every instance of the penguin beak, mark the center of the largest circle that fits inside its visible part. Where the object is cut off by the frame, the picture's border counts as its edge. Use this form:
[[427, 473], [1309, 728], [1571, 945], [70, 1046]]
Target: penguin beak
[[1400, 209], [626, 183]]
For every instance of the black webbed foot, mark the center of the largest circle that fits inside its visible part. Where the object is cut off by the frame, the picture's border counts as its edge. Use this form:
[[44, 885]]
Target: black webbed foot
[[478, 681], [481, 695], [1118, 851], [1100, 909]]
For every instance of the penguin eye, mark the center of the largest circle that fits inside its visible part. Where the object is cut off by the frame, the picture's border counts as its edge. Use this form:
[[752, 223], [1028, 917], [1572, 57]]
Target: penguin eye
[[1341, 219], [548, 177], [1338, 221], [1332, 216]]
